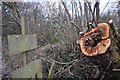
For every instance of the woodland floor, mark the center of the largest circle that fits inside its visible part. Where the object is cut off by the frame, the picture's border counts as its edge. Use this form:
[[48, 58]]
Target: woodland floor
[[70, 62]]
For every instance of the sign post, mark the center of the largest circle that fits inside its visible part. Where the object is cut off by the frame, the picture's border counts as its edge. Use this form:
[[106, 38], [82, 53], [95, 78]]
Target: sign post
[[19, 44]]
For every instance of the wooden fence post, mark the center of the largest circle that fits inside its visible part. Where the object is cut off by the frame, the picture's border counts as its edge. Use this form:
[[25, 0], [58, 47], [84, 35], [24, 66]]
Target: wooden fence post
[[23, 33], [22, 43]]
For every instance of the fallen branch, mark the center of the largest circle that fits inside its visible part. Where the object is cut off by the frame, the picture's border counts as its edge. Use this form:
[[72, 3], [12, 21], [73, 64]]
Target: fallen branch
[[62, 63], [51, 71]]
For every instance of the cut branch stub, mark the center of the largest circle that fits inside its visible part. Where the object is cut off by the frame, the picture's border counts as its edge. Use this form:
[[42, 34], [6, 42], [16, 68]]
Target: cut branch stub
[[96, 41]]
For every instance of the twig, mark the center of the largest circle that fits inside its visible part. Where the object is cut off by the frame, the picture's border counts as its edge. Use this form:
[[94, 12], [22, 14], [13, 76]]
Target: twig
[[45, 60], [104, 72], [86, 12], [73, 73], [109, 65], [97, 12], [69, 16], [90, 8], [115, 69], [63, 68], [75, 26], [62, 17], [68, 67], [104, 8], [14, 10], [70, 72], [102, 77], [64, 62], [60, 23], [58, 73], [10, 29]]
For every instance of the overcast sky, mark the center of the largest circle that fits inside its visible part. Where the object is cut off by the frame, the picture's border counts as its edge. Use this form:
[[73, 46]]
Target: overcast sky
[[102, 2]]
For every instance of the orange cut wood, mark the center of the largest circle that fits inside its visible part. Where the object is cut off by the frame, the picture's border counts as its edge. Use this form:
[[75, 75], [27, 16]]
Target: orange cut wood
[[99, 49], [88, 40], [103, 46], [105, 28]]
